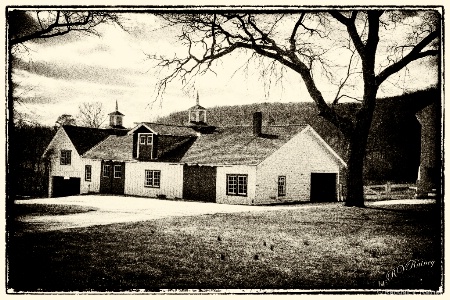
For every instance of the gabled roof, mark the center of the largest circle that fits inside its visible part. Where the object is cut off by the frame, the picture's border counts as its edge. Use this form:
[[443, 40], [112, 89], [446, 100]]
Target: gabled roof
[[113, 148], [84, 138], [165, 129], [238, 145]]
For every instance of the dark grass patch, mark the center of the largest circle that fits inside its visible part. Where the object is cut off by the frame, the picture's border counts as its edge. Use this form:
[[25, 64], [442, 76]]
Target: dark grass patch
[[330, 246], [21, 210]]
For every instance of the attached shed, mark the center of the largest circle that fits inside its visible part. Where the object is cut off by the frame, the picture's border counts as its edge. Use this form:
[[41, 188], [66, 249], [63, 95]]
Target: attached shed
[[303, 169], [269, 164]]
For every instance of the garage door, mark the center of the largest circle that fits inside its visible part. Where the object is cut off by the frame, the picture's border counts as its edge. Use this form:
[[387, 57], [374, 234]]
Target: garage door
[[323, 187], [65, 186]]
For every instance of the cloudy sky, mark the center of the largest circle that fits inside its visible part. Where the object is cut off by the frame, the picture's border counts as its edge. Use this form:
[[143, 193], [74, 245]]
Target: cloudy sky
[[56, 75]]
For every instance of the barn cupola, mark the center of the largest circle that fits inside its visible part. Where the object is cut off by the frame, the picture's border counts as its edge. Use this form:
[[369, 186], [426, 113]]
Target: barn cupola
[[197, 119], [197, 113], [116, 118]]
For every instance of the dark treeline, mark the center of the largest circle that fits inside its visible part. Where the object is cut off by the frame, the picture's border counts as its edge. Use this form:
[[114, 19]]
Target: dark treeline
[[31, 141]]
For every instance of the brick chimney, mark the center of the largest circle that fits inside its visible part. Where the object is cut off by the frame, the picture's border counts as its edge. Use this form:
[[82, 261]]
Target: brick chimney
[[257, 123]]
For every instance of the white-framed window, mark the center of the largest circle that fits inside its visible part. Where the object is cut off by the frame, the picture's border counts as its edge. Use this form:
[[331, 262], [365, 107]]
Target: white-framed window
[[106, 170], [87, 172], [117, 171], [237, 184], [66, 157], [281, 185], [146, 138], [142, 139], [152, 178]]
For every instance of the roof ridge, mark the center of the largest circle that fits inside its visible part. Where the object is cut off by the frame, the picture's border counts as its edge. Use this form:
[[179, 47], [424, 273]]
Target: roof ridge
[[94, 128], [175, 125], [264, 125]]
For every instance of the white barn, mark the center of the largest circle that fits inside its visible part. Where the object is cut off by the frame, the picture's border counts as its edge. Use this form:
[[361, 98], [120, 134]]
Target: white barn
[[250, 165]]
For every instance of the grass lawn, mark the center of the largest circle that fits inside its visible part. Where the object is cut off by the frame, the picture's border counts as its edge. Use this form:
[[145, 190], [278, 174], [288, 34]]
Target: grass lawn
[[329, 246]]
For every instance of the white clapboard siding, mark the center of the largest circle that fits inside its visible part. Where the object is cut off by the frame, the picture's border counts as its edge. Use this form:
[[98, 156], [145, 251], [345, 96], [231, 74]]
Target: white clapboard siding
[[61, 141], [171, 179], [92, 186], [297, 159], [221, 184]]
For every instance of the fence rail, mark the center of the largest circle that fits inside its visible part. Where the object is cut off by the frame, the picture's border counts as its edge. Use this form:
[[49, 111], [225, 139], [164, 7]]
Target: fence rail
[[389, 191]]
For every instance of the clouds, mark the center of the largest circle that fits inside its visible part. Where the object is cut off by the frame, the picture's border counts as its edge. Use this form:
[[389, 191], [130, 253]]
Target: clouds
[[56, 75]]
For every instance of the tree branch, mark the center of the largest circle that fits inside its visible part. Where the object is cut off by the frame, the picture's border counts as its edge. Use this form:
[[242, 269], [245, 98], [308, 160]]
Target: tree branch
[[78, 21], [351, 29], [414, 54]]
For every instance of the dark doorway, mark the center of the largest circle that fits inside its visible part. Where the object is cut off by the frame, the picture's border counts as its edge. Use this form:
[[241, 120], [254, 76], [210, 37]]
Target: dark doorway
[[112, 178], [323, 187], [199, 183], [63, 187]]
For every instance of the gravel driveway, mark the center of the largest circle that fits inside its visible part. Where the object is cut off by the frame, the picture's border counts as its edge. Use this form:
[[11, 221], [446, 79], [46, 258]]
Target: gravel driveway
[[121, 209]]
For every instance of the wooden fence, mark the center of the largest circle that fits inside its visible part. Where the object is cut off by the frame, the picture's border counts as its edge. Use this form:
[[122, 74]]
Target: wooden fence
[[389, 191]]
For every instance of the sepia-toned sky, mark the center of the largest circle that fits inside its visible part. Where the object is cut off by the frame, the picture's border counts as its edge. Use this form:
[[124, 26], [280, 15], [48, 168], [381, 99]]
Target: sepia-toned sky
[[54, 76]]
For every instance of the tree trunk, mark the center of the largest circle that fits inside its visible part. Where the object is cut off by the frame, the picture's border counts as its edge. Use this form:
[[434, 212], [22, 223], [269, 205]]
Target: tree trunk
[[357, 148], [355, 190]]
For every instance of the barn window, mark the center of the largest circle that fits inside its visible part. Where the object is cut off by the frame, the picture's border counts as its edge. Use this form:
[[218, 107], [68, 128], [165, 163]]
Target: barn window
[[117, 171], [66, 157], [237, 184], [87, 173], [106, 170], [145, 139], [152, 178], [281, 185]]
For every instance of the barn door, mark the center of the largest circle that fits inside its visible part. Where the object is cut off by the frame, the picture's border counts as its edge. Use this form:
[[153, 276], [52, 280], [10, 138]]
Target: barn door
[[65, 186], [199, 183], [112, 178], [323, 187]]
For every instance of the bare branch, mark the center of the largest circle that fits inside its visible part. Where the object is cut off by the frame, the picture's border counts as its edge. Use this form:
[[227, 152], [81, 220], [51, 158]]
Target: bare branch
[[343, 82], [64, 22], [414, 54]]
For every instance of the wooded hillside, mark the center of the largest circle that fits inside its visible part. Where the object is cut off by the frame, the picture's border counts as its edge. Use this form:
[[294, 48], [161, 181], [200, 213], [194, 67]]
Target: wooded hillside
[[394, 142]]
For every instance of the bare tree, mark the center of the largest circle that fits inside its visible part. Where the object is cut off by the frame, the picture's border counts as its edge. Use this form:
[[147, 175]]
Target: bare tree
[[301, 43], [91, 114]]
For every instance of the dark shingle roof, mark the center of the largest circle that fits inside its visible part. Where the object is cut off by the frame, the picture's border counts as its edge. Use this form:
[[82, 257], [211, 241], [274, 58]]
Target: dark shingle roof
[[238, 145], [113, 148], [120, 148], [229, 145], [84, 138], [176, 130], [173, 148]]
